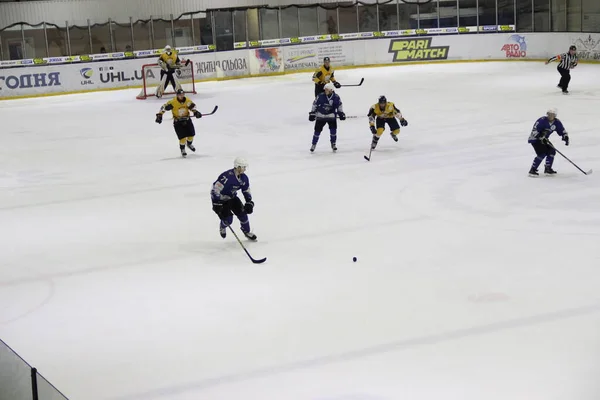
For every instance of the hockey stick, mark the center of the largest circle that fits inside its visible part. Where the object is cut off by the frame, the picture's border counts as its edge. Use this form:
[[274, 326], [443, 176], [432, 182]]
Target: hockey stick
[[361, 82], [262, 260], [212, 112], [566, 158], [369, 157]]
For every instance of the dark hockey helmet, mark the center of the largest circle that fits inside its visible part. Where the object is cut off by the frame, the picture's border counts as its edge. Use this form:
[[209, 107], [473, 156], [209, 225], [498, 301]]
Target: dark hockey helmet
[[326, 60], [573, 47], [180, 91], [382, 100]]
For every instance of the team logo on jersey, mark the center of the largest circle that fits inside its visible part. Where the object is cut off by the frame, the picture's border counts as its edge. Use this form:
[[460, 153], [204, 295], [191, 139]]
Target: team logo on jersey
[[417, 50], [516, 48]]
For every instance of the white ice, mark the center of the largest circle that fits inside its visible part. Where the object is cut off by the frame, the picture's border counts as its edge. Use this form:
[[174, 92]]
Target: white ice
[[473, 281]]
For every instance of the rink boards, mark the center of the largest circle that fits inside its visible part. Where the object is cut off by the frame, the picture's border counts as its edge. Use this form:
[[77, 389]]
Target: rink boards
[[127, 73]]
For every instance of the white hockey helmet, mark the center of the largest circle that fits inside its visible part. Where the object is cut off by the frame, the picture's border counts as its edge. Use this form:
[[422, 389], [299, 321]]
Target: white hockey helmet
[[552, 111], [168, 49], [329, 86], [240, 162]]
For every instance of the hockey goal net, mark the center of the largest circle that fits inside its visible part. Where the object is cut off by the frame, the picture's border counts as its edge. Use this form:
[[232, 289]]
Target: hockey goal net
[[151, 80]]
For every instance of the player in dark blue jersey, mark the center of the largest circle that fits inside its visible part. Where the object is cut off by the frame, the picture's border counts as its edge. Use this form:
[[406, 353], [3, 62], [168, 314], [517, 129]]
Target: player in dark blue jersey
[[326, 108], [542, 129], [225, 201]]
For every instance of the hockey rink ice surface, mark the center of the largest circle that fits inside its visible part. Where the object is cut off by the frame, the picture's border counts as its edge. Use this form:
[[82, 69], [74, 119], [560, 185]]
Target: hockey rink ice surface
[[473, 280]]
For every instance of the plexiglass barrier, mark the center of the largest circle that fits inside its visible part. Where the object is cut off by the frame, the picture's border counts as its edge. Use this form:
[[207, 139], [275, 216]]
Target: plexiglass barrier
[[20, 381], [227, 29]]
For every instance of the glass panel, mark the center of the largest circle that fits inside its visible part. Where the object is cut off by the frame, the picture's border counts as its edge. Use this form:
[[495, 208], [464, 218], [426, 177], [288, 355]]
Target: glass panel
[[100, 39], [506, 12], [224, 29], [448, 14], [203, 29], [253, 25], [347, 22], [559, 15], [367, 18], [524, 14], [542, 14], [289, 22], [239, 21], [269, 24], [57, 41], [121, 37], [467, 13], [308, 21], [388, 17], [80, 40], [46, 391], [12, 44], [162, 32], [487, 12], [141, 36], [35, 42], [428, 16], [328, 21], [409, 18], [591, 16], [574, 16], [15, 375], [183, 32]]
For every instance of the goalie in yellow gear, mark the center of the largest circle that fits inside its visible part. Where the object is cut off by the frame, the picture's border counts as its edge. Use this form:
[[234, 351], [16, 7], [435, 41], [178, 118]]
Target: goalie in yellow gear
[[182, 108], [385, 112], [170, 65]]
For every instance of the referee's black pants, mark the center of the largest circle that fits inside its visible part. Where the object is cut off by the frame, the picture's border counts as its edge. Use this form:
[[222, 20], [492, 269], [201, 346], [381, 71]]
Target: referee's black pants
[[565, 78]]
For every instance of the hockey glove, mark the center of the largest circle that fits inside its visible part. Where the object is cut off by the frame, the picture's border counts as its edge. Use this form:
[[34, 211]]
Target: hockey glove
[[403, 122], [337, 85], [373, 130], [341, 115], [544, 140], [197, 114], [159, 118], [218, 209], [249, 207], [565, 139], [312, 116]]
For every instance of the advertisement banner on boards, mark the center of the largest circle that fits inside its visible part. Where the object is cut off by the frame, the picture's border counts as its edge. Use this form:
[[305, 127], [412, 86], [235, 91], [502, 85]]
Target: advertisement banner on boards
[[311, 56], [588, 46], [417, 49], [266, 60], [221, 65], [515, 46]]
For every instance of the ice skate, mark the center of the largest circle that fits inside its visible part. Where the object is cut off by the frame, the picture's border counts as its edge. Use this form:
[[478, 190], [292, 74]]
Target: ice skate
[[183, 153], [250, 235], [223, 232], [191, 146], [313, 147], [549, 171], [533, 172], [333, 147], [395, 137]]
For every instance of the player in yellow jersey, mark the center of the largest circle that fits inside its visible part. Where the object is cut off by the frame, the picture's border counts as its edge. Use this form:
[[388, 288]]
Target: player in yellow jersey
[[169, 63], [385, 112], [182, 108], [323, 76]]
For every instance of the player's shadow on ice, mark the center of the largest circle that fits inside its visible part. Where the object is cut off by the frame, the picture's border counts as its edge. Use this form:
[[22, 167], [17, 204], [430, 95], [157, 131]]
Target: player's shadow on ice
[[189, 156]]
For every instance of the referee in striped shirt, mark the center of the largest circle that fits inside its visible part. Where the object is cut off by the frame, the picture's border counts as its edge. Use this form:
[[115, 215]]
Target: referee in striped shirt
[[567, 61]]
